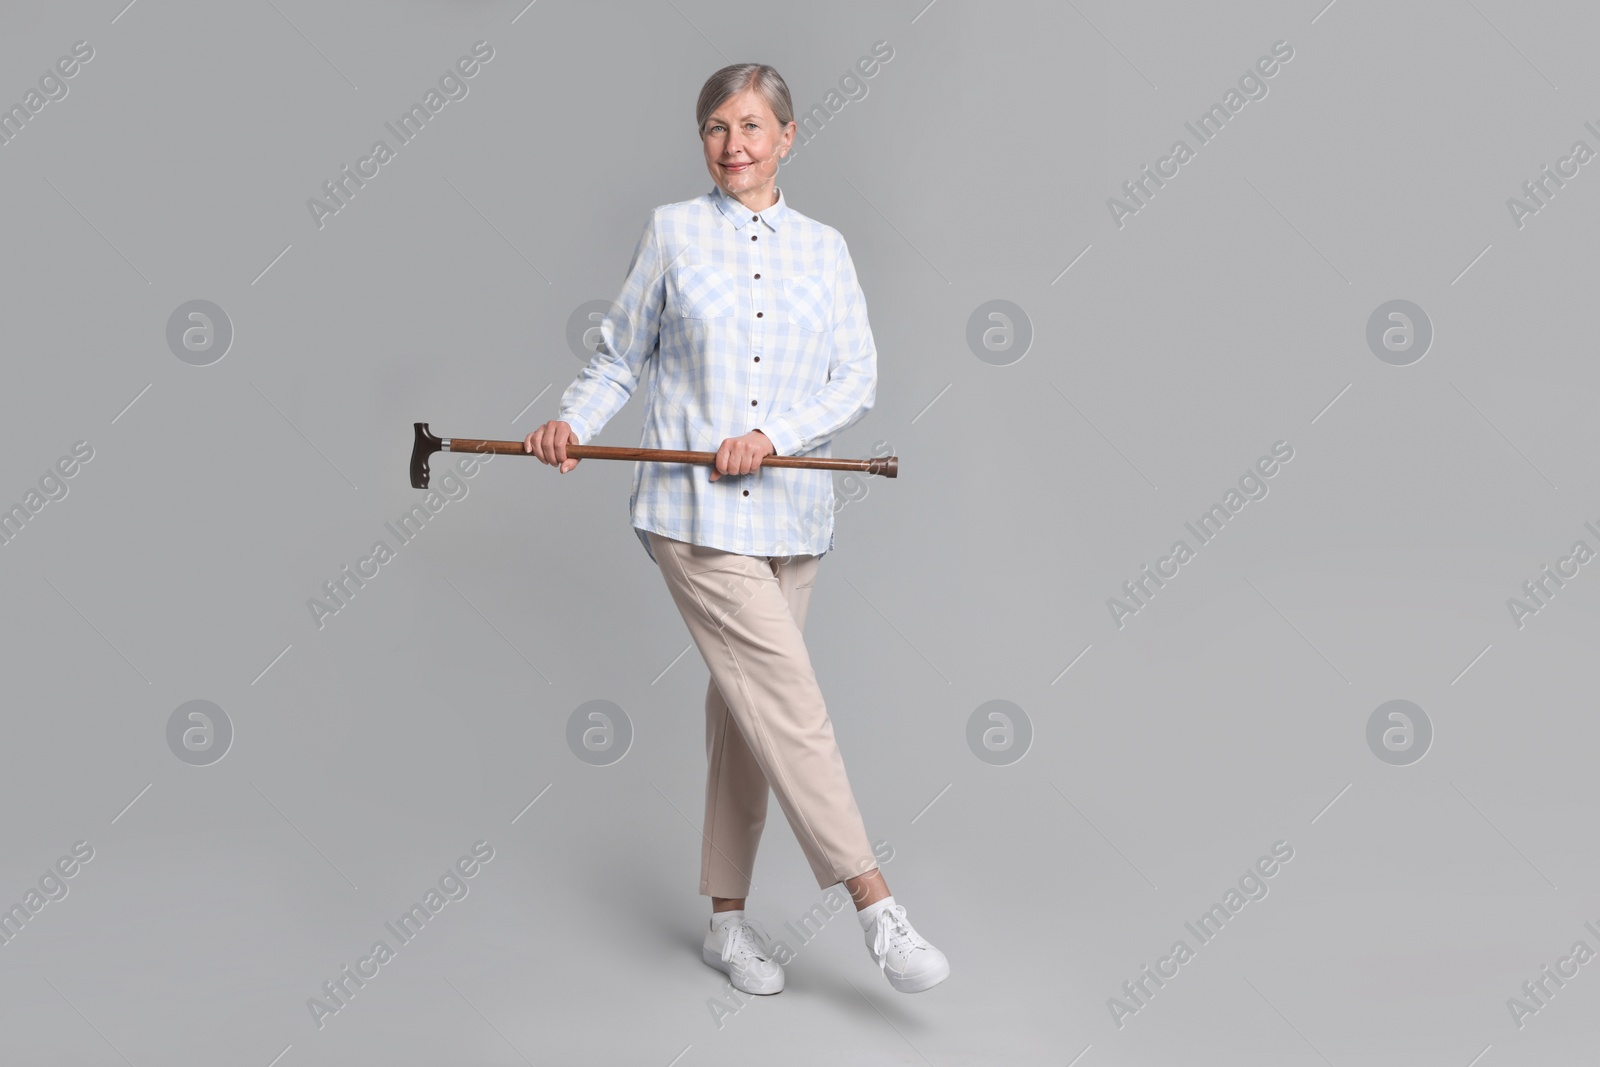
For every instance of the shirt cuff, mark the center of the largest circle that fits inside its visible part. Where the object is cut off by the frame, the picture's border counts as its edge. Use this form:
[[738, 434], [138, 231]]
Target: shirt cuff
[[579, 427], [784, 441]]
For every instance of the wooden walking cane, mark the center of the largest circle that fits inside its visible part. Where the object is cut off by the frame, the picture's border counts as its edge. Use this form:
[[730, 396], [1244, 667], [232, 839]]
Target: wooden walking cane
[[426, 444]]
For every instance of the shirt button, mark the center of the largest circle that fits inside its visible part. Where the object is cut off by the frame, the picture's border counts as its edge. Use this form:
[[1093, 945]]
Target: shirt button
[[758, 359], [747, 492], [755, 218], [752, 237], [758, 275], [758, 314]]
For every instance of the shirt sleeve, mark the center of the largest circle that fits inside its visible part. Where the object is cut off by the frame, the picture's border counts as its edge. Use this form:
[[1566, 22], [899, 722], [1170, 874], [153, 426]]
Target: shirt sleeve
[[852, 382], [630, 335]]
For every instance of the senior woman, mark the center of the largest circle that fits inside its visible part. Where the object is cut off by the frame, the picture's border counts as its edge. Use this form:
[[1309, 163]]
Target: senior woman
[[756, 326]]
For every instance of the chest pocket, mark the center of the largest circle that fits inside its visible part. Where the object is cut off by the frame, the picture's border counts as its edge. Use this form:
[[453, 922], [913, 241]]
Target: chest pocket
[[808, 302], [703, 291]]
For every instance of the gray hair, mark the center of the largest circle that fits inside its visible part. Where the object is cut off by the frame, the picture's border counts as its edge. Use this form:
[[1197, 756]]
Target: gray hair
[[736, 78]]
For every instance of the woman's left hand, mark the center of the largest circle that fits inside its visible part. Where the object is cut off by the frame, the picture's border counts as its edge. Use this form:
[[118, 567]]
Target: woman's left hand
[[741, 455]]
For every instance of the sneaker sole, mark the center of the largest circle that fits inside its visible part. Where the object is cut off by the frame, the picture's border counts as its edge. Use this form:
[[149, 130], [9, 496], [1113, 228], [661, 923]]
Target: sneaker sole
[[921, 982], [714, 959]]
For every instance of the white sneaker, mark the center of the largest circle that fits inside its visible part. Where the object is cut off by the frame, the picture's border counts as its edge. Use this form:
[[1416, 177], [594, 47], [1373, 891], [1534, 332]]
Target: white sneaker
[[736, 950], [906, 958]]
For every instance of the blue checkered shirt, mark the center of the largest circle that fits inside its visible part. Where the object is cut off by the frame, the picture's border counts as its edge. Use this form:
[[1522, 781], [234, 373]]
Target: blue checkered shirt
[[748, 320]]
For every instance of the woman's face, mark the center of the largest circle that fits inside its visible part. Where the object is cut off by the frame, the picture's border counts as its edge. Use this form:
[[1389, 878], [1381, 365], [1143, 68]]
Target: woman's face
[[743, 144]]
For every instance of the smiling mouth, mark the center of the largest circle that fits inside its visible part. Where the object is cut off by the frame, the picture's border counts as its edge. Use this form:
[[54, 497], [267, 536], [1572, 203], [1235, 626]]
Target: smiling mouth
[[735, 166]]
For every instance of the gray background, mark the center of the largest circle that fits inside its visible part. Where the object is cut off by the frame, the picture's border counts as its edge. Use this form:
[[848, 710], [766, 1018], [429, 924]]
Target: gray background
[[1230, 713]]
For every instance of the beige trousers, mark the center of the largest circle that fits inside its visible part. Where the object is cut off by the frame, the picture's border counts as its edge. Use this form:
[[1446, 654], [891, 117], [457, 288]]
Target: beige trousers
[[766, 723]]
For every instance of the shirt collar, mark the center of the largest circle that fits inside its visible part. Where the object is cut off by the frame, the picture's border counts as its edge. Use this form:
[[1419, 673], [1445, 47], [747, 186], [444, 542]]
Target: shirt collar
[[739, 215]]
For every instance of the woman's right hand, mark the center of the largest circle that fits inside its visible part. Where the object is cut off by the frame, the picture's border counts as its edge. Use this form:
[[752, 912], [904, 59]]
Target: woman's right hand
[[549, 443]]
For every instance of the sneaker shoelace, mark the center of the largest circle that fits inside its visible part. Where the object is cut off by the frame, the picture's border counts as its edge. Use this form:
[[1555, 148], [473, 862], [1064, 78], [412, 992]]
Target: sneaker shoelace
[[892, 928], [742, 932]]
